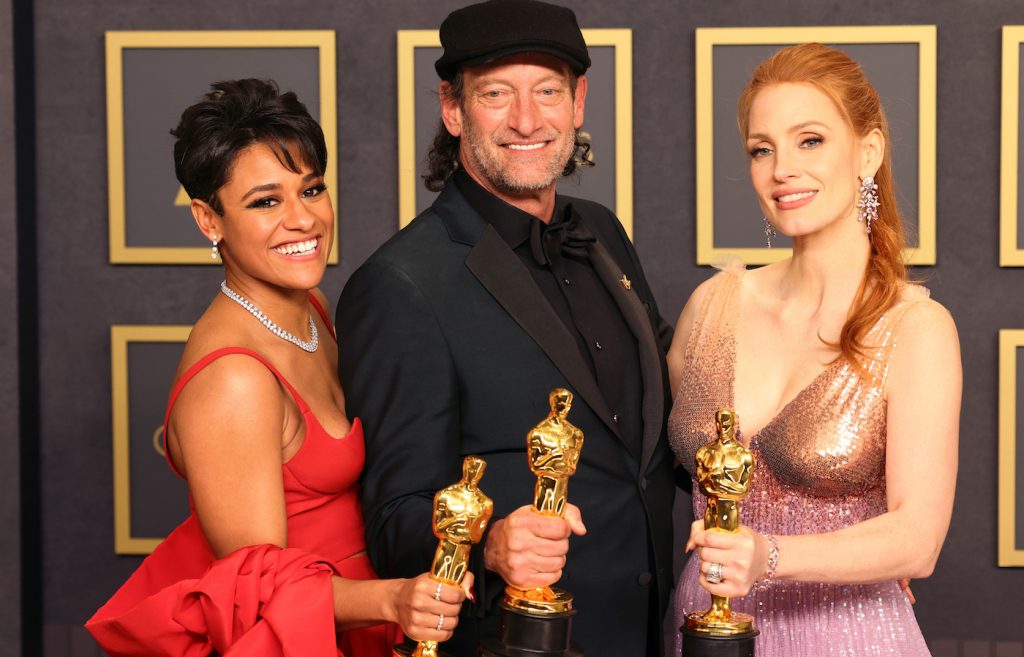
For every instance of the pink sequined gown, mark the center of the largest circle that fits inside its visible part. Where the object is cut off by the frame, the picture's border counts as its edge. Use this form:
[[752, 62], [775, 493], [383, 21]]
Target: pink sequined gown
[[820, 467]]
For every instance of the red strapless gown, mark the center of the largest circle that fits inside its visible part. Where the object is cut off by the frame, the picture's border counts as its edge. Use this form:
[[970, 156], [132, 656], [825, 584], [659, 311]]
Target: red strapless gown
[[259, 601]]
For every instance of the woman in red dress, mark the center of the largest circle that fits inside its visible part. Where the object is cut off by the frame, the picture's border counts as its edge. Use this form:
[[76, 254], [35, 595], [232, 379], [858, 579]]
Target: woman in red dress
[[272, 559]]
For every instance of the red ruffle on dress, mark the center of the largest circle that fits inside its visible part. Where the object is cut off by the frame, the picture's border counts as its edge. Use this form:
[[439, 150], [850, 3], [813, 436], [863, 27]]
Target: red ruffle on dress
[[259, 601]]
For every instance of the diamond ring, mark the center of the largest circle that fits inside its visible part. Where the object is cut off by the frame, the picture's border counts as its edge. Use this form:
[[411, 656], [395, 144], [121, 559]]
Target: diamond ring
[[714, 574], [440, 622], [437, 592]]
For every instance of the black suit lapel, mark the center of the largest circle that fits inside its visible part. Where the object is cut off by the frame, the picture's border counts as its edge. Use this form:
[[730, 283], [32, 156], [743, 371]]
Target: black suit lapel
[[499, 270], [635, 315]]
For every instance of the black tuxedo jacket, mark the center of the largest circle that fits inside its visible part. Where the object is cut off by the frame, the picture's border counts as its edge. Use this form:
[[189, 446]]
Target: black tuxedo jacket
[[448, 348]]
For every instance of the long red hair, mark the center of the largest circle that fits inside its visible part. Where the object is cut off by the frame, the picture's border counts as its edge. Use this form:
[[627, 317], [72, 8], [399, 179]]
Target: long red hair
[[841, 79]]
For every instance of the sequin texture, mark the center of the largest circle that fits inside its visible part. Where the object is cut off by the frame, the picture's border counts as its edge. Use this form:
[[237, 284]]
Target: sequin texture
[[820, 467]]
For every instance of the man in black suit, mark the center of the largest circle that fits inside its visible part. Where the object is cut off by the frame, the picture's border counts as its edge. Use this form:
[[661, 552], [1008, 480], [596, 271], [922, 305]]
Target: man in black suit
[[455, 331]]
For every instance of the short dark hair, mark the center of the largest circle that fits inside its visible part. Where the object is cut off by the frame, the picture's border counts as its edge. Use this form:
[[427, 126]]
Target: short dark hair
[[443, 156], [234, 115]]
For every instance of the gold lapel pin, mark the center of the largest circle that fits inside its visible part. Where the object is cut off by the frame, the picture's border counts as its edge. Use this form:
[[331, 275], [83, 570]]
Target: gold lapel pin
[[626, 282]]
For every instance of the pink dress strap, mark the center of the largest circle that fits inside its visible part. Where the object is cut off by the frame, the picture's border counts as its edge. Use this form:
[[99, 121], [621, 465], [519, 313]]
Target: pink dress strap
[[198, 367]]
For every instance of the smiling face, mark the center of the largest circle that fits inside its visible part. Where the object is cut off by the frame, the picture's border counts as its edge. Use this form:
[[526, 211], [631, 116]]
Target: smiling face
[[805, 160], [276, 226], [516, 122]]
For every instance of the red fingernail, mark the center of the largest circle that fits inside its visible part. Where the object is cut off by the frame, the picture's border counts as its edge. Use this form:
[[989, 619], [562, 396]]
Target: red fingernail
[[472, 593]]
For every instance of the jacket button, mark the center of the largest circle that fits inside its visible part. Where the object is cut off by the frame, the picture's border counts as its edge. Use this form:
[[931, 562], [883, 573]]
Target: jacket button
[[643, 579]]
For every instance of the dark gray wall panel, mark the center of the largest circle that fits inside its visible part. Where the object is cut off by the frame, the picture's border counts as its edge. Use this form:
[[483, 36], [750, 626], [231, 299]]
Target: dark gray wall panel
[[81, 295], [10, 493]]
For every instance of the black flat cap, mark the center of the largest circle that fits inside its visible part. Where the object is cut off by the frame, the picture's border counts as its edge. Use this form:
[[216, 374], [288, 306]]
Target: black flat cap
[[487, 31]]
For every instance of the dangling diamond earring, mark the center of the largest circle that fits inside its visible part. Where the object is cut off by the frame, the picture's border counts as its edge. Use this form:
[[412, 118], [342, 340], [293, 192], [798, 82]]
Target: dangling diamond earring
[[769, 232], [214, 251], [867, 204]]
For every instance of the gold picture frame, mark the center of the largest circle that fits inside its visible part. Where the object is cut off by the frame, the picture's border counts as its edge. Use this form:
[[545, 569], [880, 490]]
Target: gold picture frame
[[1010, 254], [620, 39], [117, 42], [125, 541], [1010, 342], [706, 40]]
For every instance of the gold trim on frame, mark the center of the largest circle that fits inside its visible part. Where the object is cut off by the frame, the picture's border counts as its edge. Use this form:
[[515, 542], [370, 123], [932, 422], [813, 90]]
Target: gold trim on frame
[[1010, 340], [1009, 254], [116, 42], [120, 337], [620, 39], [707, 38]]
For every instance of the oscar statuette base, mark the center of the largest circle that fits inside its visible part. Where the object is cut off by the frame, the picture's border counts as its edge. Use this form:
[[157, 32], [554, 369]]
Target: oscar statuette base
[[522, 634], [702, 644]]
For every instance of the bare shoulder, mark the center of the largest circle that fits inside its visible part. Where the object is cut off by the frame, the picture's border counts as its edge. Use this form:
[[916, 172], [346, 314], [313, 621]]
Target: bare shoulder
[[233, 383], [215, 329], [235, 375], [924, 386], [235, 388], [924, 317], [232, 406], [927, 347]]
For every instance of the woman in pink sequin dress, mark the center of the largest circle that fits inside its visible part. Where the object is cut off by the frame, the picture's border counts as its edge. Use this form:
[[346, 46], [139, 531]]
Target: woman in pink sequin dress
[[845, 378]]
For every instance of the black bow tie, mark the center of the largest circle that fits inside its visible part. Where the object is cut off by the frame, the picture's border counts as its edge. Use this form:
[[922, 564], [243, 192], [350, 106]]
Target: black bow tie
[[569, 237]]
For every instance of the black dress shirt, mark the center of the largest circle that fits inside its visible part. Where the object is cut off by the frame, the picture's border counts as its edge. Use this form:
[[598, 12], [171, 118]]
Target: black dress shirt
[[557, 256]]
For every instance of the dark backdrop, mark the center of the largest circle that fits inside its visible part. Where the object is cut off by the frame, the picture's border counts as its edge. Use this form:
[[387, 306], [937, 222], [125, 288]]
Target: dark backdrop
[[964, 609], [10, 500]]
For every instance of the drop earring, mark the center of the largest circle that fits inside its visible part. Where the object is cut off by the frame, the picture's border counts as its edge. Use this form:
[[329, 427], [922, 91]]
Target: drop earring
[[769, 232], [214, 251], [867, 203]]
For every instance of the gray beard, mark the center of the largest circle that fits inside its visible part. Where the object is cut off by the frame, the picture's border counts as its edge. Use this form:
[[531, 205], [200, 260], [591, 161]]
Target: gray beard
[[501, 179]]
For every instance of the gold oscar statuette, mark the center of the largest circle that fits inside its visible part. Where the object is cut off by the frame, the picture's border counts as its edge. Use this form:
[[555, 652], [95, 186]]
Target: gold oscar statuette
[[553, 447], [538, 621], [461, 514], [724, 470]]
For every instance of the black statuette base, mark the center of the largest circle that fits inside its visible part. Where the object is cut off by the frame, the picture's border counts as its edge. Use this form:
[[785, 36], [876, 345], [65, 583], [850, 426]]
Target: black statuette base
[[527, 635], [699, 644]]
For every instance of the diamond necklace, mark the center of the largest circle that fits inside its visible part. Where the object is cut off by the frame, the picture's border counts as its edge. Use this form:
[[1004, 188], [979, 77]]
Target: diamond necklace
[[314, 340]]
